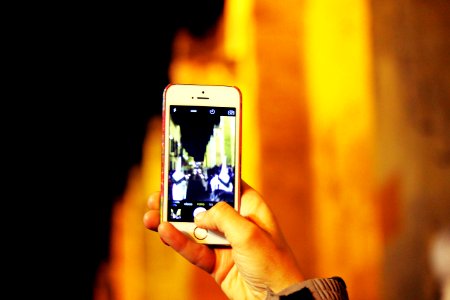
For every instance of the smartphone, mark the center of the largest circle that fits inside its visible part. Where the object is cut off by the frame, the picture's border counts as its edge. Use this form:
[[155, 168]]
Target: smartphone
[[201, 154]]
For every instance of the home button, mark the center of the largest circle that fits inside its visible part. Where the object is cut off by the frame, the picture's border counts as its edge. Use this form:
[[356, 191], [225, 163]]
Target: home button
[[200, 233]]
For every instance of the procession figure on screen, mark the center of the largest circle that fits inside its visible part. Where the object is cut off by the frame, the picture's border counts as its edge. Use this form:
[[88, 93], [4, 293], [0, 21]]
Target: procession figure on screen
[[179, 183], [222, 184]]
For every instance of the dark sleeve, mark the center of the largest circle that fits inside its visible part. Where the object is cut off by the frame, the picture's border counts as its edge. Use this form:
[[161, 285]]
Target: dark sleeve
[[314, 289]]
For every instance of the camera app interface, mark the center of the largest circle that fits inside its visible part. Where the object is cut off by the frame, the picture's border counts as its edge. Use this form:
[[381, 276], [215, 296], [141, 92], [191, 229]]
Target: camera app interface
[[201, 160]]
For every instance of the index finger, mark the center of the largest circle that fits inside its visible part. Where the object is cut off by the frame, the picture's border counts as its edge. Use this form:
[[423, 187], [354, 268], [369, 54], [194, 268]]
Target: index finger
[[152, 216], [153, 201]]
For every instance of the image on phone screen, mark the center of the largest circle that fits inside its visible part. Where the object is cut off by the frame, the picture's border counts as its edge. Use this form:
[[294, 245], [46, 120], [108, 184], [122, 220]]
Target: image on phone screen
[[202, 159]]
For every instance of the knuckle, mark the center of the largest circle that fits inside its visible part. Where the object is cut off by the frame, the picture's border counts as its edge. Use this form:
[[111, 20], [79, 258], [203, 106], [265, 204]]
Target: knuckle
[[251, 232], [219, 209]]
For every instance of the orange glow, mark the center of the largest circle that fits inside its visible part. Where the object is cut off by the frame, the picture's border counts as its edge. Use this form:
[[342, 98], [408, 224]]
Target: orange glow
[[304, 69], [340, 97]]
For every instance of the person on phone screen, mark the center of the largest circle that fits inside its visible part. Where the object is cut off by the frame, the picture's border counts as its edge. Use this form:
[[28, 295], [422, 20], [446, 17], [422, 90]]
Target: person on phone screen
[[179, 184], [258, 265]]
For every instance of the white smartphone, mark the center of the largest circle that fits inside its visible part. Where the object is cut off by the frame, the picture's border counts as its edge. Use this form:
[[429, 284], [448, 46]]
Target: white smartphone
[[201, 154]]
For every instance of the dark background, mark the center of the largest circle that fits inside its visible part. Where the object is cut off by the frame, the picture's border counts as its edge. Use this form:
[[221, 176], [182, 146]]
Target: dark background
[[92, 76]]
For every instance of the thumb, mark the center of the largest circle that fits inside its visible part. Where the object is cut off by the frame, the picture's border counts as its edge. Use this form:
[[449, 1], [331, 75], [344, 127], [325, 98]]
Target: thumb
[[224, 218]]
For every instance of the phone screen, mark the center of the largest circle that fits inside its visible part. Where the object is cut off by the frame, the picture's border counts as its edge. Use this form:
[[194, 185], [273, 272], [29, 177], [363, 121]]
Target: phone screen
[[202, 159]]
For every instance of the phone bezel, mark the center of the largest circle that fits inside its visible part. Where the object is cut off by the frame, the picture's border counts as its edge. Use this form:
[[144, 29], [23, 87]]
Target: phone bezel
[[200, 95]]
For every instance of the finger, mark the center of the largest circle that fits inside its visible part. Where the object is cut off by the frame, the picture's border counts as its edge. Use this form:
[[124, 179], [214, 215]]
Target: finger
[[153, 201], [254, 208], [151, 219], [197, 254], [224, 218]]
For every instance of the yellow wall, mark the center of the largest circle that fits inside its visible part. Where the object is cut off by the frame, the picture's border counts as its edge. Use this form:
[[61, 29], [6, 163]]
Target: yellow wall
[[311, 146]]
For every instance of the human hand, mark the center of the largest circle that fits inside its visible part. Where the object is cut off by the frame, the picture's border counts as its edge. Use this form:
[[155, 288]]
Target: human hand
[[259, 258]]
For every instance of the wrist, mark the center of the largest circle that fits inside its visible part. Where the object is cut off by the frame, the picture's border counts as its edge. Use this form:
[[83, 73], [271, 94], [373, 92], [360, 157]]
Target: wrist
[[286, 280]]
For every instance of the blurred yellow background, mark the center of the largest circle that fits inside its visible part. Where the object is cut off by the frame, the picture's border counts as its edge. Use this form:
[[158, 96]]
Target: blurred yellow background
[[345, 133]]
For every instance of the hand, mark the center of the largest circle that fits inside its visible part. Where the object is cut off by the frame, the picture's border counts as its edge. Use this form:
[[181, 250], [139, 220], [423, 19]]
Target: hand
[[258, 259]]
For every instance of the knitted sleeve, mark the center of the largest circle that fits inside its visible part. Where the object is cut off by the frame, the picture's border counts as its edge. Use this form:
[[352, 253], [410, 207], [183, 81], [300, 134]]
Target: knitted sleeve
[[333, 288]]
